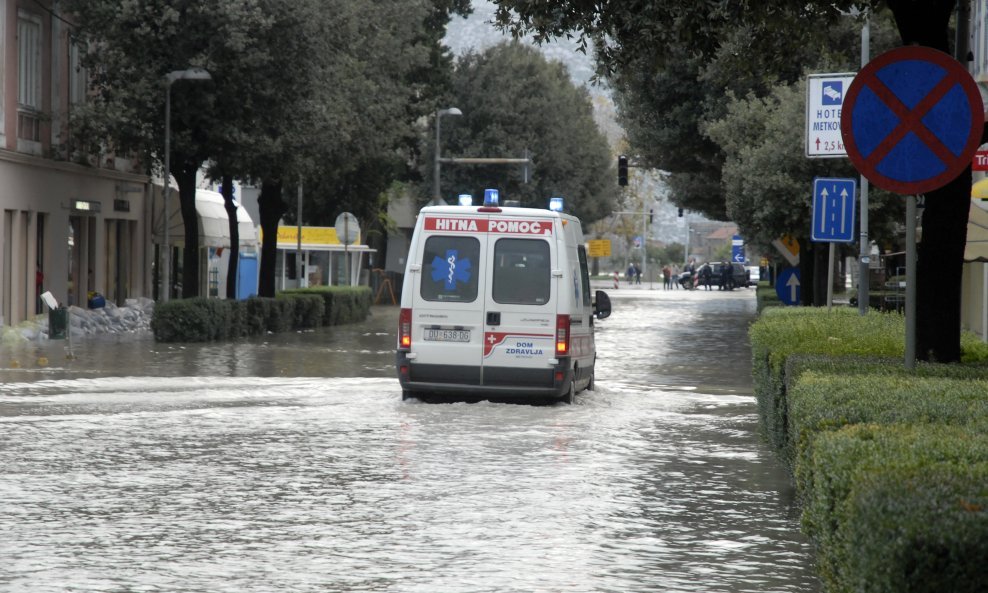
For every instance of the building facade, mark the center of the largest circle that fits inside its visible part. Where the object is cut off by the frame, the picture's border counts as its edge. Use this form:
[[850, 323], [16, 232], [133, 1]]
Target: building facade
[[71, 223]]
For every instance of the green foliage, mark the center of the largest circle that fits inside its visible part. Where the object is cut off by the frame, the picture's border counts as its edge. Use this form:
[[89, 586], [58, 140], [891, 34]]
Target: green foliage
[[820, 402], [898, 508], [765, 160], [919, 530], [781, 332], [512, 99], [203, 320]]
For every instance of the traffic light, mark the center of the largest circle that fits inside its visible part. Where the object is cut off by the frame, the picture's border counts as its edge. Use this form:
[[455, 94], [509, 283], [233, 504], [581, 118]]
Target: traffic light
[[622, 170], [651, 215], [680, 212]]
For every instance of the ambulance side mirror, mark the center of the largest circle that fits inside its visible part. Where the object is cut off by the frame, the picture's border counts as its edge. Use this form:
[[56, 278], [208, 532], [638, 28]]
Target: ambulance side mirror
[[601, 305]]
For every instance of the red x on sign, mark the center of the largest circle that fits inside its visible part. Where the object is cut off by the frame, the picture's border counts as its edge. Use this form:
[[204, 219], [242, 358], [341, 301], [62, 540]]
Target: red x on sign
[[912, 120]]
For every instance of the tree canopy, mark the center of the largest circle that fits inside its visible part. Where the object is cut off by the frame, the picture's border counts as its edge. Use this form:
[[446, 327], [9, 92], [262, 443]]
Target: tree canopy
[[324, 90], [513, 100], [652, 50]]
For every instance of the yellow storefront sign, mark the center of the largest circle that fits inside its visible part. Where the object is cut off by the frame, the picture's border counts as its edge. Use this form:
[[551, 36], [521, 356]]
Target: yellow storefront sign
[[311, 236], [599, 248]]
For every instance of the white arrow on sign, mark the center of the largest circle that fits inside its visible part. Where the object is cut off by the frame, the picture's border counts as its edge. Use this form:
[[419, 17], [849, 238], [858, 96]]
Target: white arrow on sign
[[827, 209], [793, 285]]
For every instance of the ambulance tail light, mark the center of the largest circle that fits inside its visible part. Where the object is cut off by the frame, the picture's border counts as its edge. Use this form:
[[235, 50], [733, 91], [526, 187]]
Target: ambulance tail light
[[562, 334], [405, 329]]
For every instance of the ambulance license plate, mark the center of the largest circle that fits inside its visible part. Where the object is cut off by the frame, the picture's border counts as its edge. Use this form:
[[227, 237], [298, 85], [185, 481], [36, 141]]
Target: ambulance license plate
[[447, 335]]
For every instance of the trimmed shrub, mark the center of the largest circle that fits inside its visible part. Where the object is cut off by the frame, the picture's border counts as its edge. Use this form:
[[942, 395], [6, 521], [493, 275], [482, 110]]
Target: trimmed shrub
[[342, 304], [190, 320], [820, 402], [919, 530], [781, 332], [840, 462], [202, 319]]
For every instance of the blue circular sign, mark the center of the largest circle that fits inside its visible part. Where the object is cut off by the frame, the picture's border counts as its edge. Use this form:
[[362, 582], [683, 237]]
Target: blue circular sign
[[912, 120]]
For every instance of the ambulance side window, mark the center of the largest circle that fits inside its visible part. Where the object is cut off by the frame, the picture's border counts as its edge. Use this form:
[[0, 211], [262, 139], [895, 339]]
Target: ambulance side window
[[584, 275], [450, 267], [522, 272]]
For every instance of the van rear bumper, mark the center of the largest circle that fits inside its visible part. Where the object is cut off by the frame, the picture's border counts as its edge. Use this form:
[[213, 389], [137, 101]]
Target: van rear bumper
[[443, 379]]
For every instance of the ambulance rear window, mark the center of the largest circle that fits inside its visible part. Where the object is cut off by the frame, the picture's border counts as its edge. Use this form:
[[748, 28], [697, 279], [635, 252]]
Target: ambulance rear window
[[522, 271], [450, 269]]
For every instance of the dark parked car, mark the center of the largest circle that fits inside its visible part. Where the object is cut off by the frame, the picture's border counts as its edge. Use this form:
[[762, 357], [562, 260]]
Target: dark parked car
[[739, 275]]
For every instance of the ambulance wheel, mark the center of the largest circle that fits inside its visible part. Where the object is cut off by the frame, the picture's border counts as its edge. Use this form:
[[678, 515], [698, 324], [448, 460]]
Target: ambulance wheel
[[570, 396], [590, 383]]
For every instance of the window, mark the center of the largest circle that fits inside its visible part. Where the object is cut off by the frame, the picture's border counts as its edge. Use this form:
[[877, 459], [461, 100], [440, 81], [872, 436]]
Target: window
[[450, 268], [584, 275], [78, 76], [28, 76], [522, 272]]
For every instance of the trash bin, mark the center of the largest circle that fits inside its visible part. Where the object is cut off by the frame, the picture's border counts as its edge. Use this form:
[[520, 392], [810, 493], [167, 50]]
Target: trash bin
[[57, 322]]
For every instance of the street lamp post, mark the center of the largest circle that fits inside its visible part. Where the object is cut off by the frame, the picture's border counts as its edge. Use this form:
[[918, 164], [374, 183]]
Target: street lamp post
[[170, 78], [436, 198]]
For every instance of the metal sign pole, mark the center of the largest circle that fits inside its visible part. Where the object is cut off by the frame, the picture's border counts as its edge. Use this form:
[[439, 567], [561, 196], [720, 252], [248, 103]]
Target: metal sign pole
[[911, 282], [830, 276]]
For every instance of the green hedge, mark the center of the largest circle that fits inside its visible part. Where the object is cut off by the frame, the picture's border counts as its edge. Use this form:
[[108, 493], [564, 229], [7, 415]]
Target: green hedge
[[765, 296], [202, 319], [781, 332], [899, 508]]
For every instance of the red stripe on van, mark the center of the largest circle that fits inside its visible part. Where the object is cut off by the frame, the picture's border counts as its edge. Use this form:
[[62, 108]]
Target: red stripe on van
[[507, 226]]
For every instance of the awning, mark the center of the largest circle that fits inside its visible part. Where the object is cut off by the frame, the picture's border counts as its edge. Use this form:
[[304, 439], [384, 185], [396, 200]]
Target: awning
[[214, 225], [977, 231]]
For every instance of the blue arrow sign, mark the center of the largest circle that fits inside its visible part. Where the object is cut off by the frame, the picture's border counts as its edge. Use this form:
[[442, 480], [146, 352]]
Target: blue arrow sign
[[737, 249], [833, 210], [787, 286]]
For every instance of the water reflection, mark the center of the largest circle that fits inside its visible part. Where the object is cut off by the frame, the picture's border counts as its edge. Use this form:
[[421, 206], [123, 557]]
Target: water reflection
[[291, 464]]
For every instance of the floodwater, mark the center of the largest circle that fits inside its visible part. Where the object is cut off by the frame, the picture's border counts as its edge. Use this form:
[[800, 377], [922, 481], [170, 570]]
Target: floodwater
[[291, 464]]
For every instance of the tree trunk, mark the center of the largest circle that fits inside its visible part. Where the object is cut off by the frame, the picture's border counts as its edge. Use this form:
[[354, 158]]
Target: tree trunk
[[186, 178], [941, 251], [807, 266], [272, 207], [231, 213]]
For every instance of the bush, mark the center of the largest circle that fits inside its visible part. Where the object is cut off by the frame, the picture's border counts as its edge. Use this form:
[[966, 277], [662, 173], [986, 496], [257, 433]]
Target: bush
[[202, 319], [782, 332], [840, 465], [919, 530], [821, 402]]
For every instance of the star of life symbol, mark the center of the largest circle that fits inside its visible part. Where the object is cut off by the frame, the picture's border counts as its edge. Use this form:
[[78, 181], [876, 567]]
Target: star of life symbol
[[451, 270], [491, 339]]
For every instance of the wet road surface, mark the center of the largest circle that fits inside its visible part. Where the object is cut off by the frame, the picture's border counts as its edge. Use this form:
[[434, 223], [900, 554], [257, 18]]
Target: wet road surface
[[291, 464]]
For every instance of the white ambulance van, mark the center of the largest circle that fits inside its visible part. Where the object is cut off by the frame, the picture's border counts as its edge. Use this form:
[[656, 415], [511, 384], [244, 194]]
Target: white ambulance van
[[496, 304]]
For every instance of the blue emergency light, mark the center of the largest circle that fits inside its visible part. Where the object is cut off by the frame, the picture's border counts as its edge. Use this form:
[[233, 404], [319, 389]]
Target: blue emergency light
[[491, 197], [556, 204], [466, 200]]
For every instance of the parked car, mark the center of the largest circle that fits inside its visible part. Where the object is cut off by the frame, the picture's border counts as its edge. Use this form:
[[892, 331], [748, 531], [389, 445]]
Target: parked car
[[739, 275]]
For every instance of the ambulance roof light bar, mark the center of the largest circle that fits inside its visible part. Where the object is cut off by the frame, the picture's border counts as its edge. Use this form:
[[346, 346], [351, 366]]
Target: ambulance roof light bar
[[491, 199], [556, 204], [466, 200]]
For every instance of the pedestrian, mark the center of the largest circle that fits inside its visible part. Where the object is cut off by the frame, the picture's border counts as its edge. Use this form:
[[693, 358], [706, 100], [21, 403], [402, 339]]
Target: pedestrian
[[631, 273], [666, 277], [726, 277], [638, 274], [675, 277], [705, 273]]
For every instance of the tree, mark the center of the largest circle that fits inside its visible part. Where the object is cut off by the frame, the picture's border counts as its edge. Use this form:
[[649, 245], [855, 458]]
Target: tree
[[513, 100], [649, 35], [298, 88]]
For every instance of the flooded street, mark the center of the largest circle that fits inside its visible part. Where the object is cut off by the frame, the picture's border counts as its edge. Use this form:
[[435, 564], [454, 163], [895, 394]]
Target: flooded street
[[291, 464]]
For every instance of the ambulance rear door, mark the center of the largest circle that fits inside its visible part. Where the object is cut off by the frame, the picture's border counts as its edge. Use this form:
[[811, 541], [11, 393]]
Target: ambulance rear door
[[520, 303], [448, 314]]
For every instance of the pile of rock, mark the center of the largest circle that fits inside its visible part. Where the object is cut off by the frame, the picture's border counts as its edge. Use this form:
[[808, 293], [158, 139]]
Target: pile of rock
[[134, 316]]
